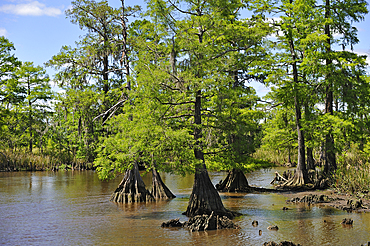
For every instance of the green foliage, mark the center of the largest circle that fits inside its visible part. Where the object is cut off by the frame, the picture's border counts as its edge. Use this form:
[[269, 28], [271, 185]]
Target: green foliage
[[34, 83], [92, 79], [189, 95], [280, 130], [9, 90], [75, 130], [24, 93], [144, 138], [307, 72], [341, 129], [277, 157]]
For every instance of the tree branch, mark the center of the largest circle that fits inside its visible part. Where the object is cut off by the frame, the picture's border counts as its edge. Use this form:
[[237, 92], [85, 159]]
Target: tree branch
[[174, 104], [178, 116], [180, 10], [231, 50], [114, 108]]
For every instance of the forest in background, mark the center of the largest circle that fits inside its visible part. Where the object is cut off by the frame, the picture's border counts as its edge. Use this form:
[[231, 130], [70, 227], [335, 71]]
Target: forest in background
[[169, 87]]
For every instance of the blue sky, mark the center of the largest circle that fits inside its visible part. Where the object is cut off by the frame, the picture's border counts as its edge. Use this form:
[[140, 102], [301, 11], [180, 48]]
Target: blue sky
[[39, 29]]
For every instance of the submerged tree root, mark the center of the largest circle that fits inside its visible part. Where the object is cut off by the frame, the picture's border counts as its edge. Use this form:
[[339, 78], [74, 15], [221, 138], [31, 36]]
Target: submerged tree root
[[349, 205], [312, 198], [283, 243], [203, 223], [300, 181]]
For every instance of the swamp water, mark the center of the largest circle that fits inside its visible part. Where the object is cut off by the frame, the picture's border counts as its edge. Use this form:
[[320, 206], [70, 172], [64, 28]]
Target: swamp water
[[73, 208]]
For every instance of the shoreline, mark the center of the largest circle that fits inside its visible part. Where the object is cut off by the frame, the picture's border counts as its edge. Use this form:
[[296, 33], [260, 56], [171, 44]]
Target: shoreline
[[340, 201]]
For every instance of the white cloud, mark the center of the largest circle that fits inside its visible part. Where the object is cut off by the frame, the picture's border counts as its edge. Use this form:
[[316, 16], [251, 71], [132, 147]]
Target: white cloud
[[3, 32], [33, 8]]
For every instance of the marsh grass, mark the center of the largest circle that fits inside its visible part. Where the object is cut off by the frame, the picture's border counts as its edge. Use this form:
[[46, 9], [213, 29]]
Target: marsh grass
[[353, 173], [20, 161], [24, 161], [278, 158], [249, 165]]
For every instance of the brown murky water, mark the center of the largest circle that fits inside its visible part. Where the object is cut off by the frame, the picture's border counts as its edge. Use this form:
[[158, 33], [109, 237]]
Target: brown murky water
[[72, 208]]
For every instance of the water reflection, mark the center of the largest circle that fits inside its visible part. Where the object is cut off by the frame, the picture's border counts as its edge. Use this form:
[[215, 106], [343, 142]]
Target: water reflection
[[73, 208]]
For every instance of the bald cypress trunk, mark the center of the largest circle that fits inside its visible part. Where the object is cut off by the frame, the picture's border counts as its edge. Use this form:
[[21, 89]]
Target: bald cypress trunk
[[160, 190], [310, 160], [330, 160], [301, 176], [204, 198], [235, 181], [132, 188]]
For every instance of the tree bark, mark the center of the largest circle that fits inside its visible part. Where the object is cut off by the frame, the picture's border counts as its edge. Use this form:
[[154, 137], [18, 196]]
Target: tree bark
[[132, 188], [310, 160], [234, 182], [300, 176], [204, 198], [29, 114], [301, 165], [309, 150], [160, 190], [330, 161], [124, 58]]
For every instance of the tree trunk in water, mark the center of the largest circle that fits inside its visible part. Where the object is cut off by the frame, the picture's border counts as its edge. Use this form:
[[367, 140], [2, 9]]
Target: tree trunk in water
[[330, 161], [234, 182], [204, 198], [132, 188], [160, 190], [300, 176]]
